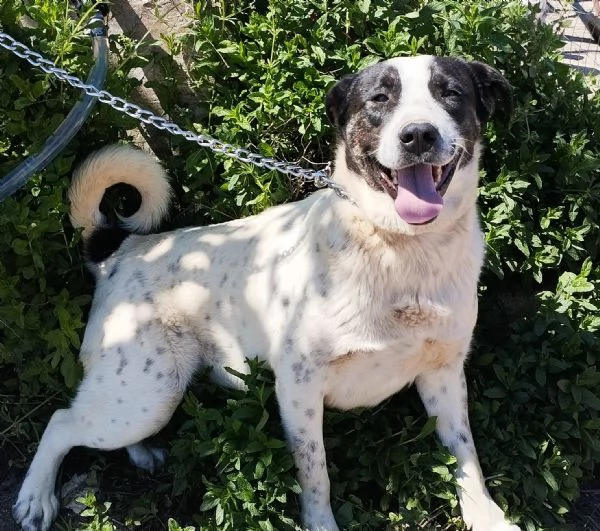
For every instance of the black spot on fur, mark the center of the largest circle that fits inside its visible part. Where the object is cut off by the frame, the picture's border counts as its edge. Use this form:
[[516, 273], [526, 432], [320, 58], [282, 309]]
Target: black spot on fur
[[432, 401], [285, 302], [174, 267], [288, 345], [323, 285], [148, 364], [104, 242], [140, 277], [463, 437], [298, 368], [224, 279], [310, 413], [122, 364], [113, 271], [36, 521], [159, 375], [302, 374]]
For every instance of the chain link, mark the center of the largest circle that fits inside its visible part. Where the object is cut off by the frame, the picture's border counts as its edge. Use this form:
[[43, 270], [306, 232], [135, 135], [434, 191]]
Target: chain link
[[320, 178]]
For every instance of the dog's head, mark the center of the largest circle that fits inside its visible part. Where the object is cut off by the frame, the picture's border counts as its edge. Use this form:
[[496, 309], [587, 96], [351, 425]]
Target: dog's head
[[409, 137]]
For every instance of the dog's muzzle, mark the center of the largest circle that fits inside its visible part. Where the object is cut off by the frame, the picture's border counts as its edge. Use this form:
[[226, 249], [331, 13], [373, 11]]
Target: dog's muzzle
[[418, 190]]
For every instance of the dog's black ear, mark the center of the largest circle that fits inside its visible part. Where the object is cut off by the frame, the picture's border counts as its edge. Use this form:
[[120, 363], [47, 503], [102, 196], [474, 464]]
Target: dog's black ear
[[493, 90], [336, 103]]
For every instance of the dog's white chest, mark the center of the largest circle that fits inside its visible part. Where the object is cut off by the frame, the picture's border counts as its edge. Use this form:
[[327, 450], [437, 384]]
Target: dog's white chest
[[363, 379], [397, 340]]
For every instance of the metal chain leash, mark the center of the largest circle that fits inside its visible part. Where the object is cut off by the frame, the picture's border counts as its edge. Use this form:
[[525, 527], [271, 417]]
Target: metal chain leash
[[319, 177]]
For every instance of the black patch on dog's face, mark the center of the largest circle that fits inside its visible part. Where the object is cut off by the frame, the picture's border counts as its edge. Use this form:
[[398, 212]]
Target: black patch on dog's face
[[451, 85], [468, 92], [360, 106]]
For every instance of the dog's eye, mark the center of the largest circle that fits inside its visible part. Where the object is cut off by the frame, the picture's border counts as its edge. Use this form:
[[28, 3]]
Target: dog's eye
[[380, 98], [451, 93]]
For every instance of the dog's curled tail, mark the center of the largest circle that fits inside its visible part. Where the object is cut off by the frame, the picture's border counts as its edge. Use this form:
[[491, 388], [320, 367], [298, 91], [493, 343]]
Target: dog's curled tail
[[113, 165]]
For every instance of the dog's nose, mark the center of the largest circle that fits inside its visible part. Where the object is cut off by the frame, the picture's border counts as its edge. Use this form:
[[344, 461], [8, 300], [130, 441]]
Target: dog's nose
[[419, 137]]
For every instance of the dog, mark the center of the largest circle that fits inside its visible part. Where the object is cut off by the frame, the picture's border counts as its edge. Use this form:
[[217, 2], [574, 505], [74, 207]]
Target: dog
[[347, 301]]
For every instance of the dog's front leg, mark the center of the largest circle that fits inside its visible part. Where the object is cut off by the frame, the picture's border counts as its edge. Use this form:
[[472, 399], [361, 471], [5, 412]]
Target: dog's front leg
[[444, 393], [299, 386]]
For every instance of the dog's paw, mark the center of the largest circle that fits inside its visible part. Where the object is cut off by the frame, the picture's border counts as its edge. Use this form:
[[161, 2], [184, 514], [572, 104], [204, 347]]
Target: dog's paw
[[146, 457], [323, 521], [483, 514], [493, 525], [35, 512], [322, 527], [505, 526]]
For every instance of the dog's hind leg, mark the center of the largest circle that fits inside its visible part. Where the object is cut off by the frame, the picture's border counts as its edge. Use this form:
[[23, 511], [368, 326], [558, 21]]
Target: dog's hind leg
[[444, 393], [126, 396], [37, 504], [146, 457]]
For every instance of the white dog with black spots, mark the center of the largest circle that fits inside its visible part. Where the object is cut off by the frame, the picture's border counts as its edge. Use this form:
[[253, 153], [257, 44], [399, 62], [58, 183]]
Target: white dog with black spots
[[347, 302]]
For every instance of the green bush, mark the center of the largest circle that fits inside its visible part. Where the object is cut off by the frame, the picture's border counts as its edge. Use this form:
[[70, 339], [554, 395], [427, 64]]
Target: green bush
[[260, 71]]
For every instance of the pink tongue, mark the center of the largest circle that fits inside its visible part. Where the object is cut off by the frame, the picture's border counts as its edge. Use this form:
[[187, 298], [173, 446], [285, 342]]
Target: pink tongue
[[417, 201]]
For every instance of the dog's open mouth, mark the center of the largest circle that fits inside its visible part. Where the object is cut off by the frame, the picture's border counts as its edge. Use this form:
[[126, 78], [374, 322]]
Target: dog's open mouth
[[418, 190]]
